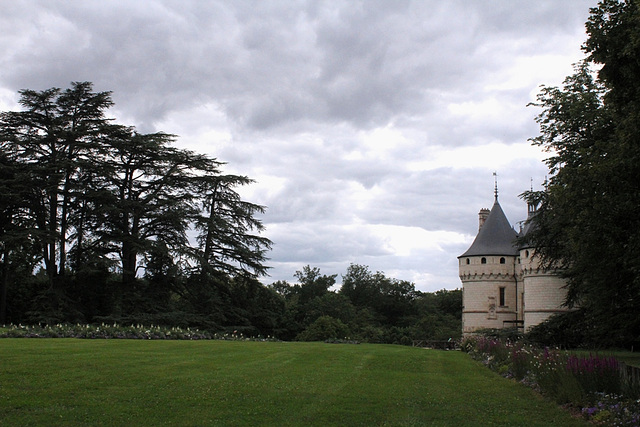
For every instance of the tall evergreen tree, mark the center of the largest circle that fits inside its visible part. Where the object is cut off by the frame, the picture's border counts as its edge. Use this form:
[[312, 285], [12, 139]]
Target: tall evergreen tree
[[94, 197], [55, 131], [148, 198], [16, 246], [228, 229]]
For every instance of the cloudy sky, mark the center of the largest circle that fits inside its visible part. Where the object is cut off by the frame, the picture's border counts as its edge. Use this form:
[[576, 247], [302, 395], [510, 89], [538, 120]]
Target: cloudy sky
[[372, 128]]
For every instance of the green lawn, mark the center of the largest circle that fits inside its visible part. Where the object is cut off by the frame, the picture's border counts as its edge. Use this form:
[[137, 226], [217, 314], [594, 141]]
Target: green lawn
[[199, 383]]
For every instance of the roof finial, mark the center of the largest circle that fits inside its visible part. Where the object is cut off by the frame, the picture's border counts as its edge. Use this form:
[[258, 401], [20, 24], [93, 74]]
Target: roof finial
[[531, 184], [495, 180]]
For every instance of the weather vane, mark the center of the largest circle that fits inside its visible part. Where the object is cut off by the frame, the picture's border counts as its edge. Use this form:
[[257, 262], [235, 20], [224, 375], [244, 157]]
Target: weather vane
[[495, 180]]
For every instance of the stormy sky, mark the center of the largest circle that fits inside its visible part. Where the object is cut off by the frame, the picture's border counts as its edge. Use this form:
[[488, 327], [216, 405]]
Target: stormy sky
[[372, 128]]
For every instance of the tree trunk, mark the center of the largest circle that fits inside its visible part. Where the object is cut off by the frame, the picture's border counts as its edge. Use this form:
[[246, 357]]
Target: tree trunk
[[4, 276], [130, 253]]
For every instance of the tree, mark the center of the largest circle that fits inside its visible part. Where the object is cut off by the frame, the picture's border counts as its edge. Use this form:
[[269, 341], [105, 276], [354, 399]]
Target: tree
[[391, 299], [312, 284], [17, 249], [357, 285], [226, 225], [51, 137], [439, 315], [330, 304], [150, 198], [587, 222], [259, 307], [94, 197]]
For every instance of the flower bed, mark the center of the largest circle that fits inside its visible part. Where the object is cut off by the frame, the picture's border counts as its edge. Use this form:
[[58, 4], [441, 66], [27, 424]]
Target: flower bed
[[592, 384], [116, 331]]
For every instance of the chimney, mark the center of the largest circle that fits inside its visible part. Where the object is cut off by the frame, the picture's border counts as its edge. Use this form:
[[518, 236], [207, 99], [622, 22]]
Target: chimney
[[482, 217]]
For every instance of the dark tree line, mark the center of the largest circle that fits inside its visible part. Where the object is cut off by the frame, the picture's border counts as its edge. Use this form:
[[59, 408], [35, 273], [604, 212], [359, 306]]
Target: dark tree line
[[367, 307], [588, 222], [100, 223], [97, 205]]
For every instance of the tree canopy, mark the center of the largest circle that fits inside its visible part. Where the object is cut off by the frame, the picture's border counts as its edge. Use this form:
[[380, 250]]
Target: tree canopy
[[588, 220]]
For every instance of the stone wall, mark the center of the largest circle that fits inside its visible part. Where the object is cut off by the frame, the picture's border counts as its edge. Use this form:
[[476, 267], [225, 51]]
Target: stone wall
[[544, 291], [543, 296], [481, 292]]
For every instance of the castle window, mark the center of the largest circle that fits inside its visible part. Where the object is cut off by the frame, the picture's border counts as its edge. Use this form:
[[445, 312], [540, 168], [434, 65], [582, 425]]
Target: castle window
[[467, 260], [502, 302], [502, 260], [526, 254], [483, 261]]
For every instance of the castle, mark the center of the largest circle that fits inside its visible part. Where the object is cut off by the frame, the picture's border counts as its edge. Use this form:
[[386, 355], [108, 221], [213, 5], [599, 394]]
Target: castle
[[503, 284]]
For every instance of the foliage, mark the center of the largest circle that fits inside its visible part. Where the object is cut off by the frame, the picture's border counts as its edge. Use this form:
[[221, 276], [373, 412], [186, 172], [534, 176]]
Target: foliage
[[582, 381], [390, 299], [324, 328], [501, 334], [567, 330], [587, 222], [369, 308], [94, 203], [607, 410], [163, 382], [115, 331]]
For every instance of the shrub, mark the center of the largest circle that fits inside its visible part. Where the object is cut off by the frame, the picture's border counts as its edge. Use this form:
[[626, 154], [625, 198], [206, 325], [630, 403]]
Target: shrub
[[566, 330], [324, 328]]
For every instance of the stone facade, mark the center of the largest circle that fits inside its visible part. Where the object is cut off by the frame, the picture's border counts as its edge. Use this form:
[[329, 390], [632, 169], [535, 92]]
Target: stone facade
[[545, 291], [503, 285]]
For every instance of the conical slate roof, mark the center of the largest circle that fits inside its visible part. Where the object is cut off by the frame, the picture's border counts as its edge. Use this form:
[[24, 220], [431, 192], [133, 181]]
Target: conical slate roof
[[496, 237]]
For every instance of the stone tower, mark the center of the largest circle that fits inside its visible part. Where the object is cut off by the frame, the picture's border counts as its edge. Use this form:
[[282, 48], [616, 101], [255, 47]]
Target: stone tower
[[488, 273], [503, 285]]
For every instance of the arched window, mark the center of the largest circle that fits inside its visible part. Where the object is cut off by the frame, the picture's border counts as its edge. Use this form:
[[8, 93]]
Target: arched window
[[468, 261], [526, 254], [502, 260], [483, 260]]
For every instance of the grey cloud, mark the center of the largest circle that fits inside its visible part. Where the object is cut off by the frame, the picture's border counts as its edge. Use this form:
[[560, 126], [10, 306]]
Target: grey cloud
[[266, 63], [291, 87]]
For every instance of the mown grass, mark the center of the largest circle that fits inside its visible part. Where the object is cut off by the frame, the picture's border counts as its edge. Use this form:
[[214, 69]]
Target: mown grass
[[198, 383]]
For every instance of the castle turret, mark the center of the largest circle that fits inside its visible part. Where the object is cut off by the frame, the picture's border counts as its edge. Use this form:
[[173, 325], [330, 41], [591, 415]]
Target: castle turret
[[504, 285], [543, 290], [488, 273]]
